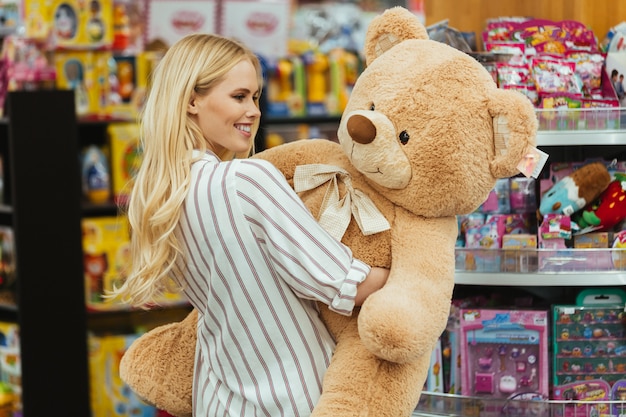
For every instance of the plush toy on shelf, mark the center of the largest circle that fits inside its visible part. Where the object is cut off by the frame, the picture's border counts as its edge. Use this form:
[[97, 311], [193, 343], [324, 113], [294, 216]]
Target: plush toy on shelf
[[608, 210], [424, 137], [573, 192]]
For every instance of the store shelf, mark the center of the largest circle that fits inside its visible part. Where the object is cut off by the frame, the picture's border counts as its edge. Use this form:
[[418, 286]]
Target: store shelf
[[581, 127], [435, 404], [541, 267], [581, 137], [556, 279]]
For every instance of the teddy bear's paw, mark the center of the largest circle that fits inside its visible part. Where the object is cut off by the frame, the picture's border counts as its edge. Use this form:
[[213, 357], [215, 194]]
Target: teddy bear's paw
[[395, 345], [395, 331]]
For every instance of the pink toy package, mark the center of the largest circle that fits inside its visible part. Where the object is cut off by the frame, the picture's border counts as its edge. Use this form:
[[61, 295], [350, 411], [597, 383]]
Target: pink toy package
[[587, 399], [504, 353]]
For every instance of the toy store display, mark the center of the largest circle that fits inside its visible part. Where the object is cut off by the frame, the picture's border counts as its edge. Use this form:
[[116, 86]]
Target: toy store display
[[577, 225], [558, 65], [504, 352], [502, 232], [589, 338]]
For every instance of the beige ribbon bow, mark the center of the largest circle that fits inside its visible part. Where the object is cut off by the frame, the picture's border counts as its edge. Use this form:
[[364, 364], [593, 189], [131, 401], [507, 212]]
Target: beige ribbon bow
[[335, 212]]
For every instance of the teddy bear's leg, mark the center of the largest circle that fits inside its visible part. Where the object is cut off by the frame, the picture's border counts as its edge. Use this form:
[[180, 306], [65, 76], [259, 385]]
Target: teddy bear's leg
[[158, 366], [358, 384]]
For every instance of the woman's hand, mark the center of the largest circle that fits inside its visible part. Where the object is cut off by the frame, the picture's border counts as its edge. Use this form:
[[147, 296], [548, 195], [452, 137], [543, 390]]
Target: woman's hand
[[373, 282]]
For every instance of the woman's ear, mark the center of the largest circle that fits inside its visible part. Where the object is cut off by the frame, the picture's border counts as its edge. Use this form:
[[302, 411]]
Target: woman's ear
[[191, 106]]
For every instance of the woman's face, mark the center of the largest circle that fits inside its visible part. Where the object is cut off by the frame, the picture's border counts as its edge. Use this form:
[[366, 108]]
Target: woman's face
[[226, 115]]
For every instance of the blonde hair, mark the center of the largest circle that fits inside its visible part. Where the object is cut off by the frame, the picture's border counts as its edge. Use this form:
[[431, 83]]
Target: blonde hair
[[169, 135]]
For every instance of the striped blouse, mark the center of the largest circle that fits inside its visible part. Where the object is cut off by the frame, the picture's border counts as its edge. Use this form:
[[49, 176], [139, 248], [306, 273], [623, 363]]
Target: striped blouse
[[256, 263]]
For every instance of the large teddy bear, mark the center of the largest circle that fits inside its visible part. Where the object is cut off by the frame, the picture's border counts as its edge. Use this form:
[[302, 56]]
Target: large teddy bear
[[424, 137]]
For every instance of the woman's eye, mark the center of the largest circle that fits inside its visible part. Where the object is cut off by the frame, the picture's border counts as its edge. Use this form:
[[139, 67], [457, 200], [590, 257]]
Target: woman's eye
[[239, 97]]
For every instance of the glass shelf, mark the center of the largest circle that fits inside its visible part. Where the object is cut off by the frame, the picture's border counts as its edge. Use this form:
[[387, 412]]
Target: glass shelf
[[575, 127], [435, 404], [540, 267]]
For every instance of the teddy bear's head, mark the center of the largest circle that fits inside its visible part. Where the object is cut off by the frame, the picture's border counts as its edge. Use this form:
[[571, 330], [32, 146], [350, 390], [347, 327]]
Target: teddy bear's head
[[426, 123]]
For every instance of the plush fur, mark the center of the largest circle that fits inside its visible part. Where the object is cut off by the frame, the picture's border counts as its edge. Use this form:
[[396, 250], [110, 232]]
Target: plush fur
[[425, 135]]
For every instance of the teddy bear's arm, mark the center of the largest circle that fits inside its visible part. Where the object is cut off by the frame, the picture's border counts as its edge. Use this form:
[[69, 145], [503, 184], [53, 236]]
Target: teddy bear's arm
[[302, 152], [404, 319]]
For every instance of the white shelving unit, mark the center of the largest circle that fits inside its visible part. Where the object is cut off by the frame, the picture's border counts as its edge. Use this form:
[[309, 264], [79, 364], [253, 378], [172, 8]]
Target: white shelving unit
[[551, 140]]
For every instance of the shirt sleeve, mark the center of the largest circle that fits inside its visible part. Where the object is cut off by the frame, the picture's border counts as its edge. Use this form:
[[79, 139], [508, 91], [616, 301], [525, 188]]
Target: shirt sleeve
[[313, 263]]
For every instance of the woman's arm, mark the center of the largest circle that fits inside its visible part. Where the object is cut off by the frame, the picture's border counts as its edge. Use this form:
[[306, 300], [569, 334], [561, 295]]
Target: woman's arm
[[373, 282]]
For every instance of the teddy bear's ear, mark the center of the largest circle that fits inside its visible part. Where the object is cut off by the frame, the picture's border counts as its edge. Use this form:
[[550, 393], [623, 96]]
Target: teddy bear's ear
[[393, 26], [515, 130]]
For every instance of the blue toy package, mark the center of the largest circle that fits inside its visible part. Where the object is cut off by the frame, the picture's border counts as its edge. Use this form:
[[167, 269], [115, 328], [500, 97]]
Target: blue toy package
[[589, 340]]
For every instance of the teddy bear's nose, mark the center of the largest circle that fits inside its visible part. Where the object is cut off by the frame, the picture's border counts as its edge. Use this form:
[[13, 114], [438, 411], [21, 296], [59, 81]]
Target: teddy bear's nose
[[361, 129]]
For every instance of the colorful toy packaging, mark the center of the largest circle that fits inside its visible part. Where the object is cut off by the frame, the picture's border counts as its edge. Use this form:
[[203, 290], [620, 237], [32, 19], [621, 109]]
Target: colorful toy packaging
[[10, 370], [110, 396], [125, 158], [286, 87], [105, 258], [87, 73], [586, 398], [128, 81], [435, 378], [71, 24], [96, 180], [504, 353], [589, 338]]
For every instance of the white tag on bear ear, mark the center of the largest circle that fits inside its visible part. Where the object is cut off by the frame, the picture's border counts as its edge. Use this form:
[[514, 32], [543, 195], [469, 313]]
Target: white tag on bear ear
[[533, 162]]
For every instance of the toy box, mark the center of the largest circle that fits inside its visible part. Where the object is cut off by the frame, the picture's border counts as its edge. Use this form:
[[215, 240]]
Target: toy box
[[125, 158], [71, 24], [504, 352], [78, 24], [434, 379], [589, 338], [105, 257], [587, 399], [87, 73], [128, 82], [618, 393], [110, 396]]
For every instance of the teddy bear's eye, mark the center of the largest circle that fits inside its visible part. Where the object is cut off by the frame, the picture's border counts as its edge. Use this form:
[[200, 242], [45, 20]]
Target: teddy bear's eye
[[372, 107], [404, 137]]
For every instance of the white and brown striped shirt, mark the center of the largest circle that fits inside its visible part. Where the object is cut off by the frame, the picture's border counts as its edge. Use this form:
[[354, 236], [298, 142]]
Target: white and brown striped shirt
[[256, 263]]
